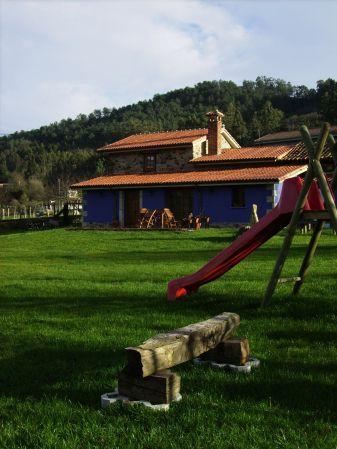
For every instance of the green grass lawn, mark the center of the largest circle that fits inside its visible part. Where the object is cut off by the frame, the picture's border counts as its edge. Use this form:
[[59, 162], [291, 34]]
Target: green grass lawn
[[72, 300]]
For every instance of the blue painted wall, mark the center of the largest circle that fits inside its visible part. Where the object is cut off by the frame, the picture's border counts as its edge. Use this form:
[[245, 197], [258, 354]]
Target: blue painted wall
[[216, 202], [154, 198], [100, 206]]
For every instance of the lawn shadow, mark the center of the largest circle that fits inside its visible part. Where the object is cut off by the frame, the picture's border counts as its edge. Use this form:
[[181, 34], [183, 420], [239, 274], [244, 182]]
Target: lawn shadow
[[68, 372], [308, 336], [56, 367], [81, 374], [293, 386], [221, 240], [124, 257]]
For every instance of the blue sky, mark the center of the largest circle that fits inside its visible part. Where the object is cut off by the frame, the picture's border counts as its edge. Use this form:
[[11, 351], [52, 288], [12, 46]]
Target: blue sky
[[62, 58]]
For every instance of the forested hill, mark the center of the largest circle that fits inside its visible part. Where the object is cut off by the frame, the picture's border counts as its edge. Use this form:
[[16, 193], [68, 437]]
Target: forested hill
[[64, 150]]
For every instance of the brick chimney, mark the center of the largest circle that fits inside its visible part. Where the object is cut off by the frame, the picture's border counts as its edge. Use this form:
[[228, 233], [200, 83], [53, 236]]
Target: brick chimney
[[214, 131]]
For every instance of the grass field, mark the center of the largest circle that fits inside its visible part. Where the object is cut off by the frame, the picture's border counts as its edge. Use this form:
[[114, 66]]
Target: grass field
[[72, 300]]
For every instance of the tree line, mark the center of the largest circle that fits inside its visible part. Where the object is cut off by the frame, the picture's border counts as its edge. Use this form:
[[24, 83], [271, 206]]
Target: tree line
[[63, 152]]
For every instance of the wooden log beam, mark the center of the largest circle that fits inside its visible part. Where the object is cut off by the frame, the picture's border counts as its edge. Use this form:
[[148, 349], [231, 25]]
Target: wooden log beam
[[315, 152], [162, 387], [235, 351], [180, 345], [333, 147]]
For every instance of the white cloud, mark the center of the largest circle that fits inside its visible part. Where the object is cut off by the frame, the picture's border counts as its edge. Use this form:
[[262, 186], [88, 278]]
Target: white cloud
[[48, 102], [63, 58], [293, 39]]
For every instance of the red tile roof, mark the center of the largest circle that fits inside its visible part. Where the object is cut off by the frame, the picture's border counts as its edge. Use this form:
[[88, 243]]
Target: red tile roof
[[251, 174], [270, 153], [266, 153], [299, 153], [291, 135], [153, 140]]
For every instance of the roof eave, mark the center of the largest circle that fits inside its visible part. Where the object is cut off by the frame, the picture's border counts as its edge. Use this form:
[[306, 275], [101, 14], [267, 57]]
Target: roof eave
[[297, 172], [236, 161], [147, 148], [187, 184]]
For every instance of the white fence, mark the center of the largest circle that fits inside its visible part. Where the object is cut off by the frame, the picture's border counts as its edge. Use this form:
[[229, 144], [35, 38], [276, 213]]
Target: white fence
[[39, 210]]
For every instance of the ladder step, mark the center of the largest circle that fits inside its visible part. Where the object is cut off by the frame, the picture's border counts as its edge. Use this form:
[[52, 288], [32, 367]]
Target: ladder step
[[316, 215], [291, 279]]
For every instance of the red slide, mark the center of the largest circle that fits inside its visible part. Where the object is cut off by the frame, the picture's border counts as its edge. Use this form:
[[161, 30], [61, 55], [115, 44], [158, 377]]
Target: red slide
[[248, 242]]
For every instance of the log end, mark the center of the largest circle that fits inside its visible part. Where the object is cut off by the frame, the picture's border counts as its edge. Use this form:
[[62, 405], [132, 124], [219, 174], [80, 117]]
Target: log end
[[234, 351], [162, 387]]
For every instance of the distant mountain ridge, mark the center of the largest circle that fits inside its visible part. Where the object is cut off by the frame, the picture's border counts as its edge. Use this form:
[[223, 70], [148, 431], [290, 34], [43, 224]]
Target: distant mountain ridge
[[65, 149]]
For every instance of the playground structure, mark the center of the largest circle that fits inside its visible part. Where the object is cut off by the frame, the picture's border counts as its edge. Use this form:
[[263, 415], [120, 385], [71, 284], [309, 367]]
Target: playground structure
[[308, 200]]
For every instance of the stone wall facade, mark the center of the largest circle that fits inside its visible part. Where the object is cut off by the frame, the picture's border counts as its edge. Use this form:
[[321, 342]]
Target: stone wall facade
[[200, 146], [174, 160], [124, 163], [167, 159]]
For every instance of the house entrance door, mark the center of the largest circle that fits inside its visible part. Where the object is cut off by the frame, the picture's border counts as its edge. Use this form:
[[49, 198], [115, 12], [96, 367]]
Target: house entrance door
[[131, 207], [180, 201]]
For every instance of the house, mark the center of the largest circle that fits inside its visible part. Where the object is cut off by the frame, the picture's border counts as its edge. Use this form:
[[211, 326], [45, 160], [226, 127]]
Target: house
[[203, 171], [289, 137]]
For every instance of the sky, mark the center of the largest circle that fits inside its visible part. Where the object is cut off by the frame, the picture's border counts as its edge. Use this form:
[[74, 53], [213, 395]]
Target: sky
[[60, 58]]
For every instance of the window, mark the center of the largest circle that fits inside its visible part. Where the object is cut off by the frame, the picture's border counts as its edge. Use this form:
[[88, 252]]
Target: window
[[149, 162], [238, 196], [203, 148]]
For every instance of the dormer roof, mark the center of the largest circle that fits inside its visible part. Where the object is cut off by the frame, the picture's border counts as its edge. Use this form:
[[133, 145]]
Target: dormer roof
[[289, 136], [156, 140], [165, 139], [265, 153]]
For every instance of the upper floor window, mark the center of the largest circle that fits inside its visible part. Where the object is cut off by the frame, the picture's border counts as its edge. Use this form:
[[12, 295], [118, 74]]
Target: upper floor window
[[149, 162], [238, 196]]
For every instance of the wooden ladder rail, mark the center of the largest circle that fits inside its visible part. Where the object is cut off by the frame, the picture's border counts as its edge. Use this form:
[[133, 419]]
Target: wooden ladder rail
[[314, 170]]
